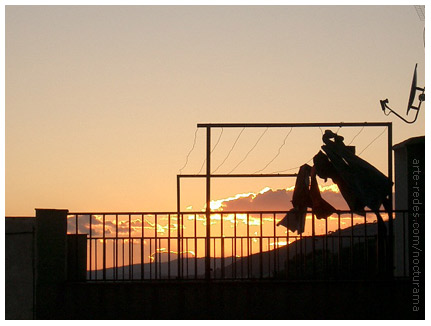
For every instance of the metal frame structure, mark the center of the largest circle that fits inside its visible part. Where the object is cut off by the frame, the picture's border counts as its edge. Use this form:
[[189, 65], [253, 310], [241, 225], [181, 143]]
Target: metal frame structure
[[208, 175]]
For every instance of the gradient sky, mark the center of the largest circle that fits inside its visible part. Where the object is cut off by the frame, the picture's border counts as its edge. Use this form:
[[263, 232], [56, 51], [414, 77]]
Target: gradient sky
[[102, 102]]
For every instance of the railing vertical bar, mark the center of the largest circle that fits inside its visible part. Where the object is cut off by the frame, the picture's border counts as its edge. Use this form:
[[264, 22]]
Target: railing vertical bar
[[104, 250], [366, 242], [287, 252], [187, 258], [91, 251], [235, 245], [142, 246], [296, 256], [169, 246], [76, 238], [222, 245], [160, 258], [261, 247], [196, 247], [250, 258], [155, 247], [142, 259], [132, 262], [151, 259], [269, 256], [304, 266], [130, 248], [214, 258], [95, 259], [313, 244], [123, 267], [179, 219], [332, 255], [113, 259], [116, 247], [242, 260], [178, 227], [248, 245], [326, 250]]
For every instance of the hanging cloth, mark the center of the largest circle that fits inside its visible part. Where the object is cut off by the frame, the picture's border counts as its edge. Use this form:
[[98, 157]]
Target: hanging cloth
[[295, 218], [360, 183], [321, 208], [305, 197]]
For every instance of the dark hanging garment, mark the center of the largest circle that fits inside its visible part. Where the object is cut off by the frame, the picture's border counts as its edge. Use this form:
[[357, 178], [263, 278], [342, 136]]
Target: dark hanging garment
[[321, 208], [295, 218], [301, 195], [360, 183], [325, 169]]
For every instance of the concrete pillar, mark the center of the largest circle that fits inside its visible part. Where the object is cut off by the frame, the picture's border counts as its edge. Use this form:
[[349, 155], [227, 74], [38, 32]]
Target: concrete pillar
[[51, 262]]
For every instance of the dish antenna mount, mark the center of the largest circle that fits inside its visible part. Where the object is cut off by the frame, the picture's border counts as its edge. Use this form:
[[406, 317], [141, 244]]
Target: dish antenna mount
[[413, 89]]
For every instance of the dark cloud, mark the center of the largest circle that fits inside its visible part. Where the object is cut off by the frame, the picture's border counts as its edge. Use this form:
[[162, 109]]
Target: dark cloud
[[275, 200]]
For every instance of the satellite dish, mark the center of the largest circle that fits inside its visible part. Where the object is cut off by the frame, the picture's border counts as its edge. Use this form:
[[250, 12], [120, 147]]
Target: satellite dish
[[412, 91], [384, 103]]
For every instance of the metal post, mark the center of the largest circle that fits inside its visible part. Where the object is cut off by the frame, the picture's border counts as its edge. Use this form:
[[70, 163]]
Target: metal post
[[178, 227], [390, 250], [208, 208]]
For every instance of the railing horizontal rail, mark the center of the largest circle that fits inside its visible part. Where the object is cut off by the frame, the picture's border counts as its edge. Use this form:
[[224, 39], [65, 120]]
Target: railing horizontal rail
[[243, 245]]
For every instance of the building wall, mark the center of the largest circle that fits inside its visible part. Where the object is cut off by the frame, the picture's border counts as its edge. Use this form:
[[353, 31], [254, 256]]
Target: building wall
[[409, 182], [19, 270], [265, 300]]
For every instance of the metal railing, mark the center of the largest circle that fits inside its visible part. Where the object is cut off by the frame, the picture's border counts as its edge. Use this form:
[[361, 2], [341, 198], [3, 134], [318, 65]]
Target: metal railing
[[243, 245]]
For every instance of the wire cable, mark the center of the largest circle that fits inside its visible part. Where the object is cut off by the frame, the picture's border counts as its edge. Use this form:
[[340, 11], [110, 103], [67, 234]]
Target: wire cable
[[257, 142], [356, 136], [373, 141], [295, 168], [230, 151], [278, 153], [218, 140], [187, 157]]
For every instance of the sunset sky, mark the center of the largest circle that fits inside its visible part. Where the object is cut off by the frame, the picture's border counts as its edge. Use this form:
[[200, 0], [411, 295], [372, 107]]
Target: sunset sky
[[102, 102]]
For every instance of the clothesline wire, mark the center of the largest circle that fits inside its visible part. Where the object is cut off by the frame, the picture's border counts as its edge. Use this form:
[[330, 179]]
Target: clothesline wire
[[230, 151], [218, 140], [356, 135], [284, 141], [193, 147], [373, 140], [295, 168], [245, 157], [278, 153]]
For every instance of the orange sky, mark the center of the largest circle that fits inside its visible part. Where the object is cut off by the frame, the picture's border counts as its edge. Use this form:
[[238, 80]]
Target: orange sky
[[102, 103]]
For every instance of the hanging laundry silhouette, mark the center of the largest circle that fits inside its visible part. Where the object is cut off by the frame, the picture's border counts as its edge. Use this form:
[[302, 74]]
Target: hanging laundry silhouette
[[305, 197]]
